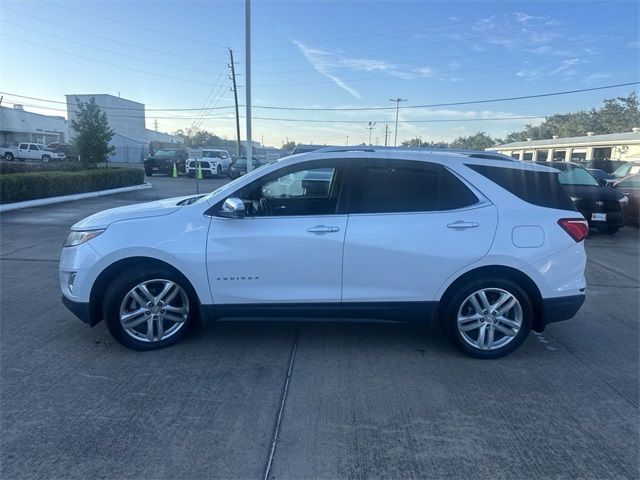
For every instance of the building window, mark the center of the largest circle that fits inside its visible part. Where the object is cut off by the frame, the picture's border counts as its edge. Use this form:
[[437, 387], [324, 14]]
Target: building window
[[559, 155], [542, 155], [515, 155], [601, 153], [579, 155], [528, 156]]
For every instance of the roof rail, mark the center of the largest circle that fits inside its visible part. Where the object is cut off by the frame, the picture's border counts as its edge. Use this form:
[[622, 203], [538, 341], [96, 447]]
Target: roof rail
[[468, 153]]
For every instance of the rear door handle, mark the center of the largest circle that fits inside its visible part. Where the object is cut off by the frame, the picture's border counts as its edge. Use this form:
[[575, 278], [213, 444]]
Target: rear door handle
[[460, 225], [322, 229]]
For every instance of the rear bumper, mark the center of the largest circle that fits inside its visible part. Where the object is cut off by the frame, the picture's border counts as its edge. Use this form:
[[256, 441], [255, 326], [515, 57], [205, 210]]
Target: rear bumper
[[82, 310], [561, 308]]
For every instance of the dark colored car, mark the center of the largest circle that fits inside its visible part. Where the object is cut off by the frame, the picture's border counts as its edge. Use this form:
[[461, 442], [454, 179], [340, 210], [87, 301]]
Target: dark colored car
[[163, 161], [605, 164], [239, 167], [68, 150], [600, 175], [600, 205], [630, 186], [629, 168]]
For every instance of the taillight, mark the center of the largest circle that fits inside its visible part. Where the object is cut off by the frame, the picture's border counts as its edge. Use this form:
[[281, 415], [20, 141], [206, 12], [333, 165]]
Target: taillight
[[577, 228]]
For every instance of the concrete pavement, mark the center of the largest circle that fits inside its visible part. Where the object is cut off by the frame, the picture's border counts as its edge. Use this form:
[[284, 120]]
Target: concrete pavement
[[364, 400]]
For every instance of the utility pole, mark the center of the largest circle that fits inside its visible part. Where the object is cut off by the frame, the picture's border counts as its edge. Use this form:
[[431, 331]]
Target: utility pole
[[247, 47], [397, 100], [347, 144], [155, 124], [370, 127], [235, 96], [386, 133]]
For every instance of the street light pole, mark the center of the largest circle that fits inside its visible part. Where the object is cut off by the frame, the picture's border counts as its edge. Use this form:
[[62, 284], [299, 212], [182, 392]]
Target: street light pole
[[370, 127], [247, 31], [397, 100]]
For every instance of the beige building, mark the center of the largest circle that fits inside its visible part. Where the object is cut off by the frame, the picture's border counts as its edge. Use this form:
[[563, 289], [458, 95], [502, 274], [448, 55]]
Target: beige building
[[614, 146]]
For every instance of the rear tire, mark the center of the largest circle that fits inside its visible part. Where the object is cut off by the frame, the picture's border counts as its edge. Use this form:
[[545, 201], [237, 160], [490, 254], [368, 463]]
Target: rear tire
[[8, 157], [163, 316], [504, 331], [148, 172]]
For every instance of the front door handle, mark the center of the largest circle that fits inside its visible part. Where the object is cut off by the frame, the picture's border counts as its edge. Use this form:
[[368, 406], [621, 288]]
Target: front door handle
[[460, 225], [322, 229]]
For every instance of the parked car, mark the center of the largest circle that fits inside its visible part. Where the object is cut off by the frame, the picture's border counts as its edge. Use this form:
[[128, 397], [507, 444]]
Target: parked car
[[490, 247], [163, 161], [600, 205], [239, 167], [601, 176], [68, 151], [630, 187], [629, 168], [214, 163], [36, 151], [605, 164]]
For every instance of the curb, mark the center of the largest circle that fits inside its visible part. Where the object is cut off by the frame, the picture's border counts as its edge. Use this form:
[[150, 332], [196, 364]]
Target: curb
[[7, 207]]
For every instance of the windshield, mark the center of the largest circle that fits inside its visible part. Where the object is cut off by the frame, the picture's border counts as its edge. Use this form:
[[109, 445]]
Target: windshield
[[209, 154], [241, 162], [621, 171], [165, 153], [574, 175]]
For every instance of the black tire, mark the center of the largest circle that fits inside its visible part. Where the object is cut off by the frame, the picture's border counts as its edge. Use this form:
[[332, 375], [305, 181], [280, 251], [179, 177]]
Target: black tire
[[46, 158], [122, 285], [8, 157], [219, 171], [608, 230], [449, 319], [148, 172]]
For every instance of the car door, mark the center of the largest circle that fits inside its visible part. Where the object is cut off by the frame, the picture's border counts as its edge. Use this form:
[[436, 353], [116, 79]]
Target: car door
[[288, 248], [23, 151], [34, 152], [412, 225]]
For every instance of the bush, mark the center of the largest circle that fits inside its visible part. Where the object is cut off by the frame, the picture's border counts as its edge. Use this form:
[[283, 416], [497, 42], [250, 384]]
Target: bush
[[15, 167], [17, 187]]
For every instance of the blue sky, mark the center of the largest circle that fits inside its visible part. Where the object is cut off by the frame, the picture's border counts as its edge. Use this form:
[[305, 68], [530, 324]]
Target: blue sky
[[323, 54]]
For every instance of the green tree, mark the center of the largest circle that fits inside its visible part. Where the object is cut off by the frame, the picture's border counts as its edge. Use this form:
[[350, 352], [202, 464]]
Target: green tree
[[417, 142], [93, 133], [289, 146], [477, 141]]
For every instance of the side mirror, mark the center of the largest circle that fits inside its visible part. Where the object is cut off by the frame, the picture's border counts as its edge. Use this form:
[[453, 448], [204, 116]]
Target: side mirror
[[232, 208]]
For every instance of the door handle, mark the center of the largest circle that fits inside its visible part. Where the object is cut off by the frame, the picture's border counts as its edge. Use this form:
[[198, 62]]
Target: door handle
[[460, 225], [322, 229]]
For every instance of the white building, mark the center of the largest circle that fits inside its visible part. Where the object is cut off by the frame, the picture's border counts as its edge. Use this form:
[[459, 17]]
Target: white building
[[18, 125], [614, 146]]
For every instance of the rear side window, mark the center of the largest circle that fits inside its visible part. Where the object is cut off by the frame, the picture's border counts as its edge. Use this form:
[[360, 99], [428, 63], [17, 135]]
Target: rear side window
[[408, 187], [538, 188]]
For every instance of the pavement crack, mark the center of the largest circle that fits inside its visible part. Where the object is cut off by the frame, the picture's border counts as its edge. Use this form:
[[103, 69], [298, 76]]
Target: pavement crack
[[613, 270], [28, 260], [283, 401]]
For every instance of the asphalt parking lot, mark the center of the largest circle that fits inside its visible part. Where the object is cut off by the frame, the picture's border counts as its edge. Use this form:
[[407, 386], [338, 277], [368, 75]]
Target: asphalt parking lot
[[363, 400]]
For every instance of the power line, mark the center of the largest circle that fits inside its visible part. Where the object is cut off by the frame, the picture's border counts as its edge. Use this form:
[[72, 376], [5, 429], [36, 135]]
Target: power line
[[171, 34], [206, 72], [105, 63], [354, 109], [110, 40]]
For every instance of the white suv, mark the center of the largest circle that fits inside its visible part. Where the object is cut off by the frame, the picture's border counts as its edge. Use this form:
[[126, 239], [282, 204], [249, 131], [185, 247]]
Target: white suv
[[490, 246], [214, 163]]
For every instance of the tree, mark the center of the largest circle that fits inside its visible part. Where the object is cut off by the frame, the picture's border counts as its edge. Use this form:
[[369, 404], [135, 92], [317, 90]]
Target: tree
[[93, 133], [477, 141], [196, 138], [289, 146], [417, 142]]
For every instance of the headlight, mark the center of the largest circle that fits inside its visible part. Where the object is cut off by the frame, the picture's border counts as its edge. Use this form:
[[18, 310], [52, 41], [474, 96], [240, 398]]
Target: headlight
[[623, 201], [76, 238]]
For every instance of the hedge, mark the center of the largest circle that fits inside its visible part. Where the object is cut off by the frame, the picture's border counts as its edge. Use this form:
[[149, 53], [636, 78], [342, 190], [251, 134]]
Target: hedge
[[19, 167], [28, 186]]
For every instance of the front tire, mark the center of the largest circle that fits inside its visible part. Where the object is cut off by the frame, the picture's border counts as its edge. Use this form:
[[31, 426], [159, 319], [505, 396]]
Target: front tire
[[488, 318], [148, 308], [46, 158], [148, 172]]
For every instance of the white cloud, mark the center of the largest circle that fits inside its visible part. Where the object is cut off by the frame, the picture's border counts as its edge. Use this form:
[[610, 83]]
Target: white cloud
[[597, 76]]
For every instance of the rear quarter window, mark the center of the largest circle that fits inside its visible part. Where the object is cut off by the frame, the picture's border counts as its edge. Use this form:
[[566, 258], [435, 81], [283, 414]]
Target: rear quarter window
[[535, 187]]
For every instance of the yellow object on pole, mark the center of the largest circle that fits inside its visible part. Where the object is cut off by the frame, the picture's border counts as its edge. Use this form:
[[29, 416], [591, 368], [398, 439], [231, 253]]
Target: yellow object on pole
[[199, 172], [175, 171]]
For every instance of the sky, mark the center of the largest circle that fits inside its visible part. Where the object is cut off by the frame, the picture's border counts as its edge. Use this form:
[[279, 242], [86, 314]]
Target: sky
[[173, 54]]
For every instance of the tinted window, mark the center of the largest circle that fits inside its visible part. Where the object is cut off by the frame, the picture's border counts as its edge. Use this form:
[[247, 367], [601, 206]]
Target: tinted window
[[23, 146], [408, 187], [538, 188], [573, 175], [33, 147]]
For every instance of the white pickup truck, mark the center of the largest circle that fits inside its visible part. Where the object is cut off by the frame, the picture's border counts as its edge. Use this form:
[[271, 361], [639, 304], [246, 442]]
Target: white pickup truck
[[31, 151], [214, 163]]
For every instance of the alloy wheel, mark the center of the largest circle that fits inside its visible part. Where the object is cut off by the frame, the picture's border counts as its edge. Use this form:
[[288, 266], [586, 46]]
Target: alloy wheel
[[489, 318], [154, 310]]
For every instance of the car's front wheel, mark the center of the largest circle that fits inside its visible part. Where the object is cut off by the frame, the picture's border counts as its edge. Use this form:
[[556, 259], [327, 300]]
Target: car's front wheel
[[148, 171], [148, 309], [488, 318], [46, 158], [219, 171]]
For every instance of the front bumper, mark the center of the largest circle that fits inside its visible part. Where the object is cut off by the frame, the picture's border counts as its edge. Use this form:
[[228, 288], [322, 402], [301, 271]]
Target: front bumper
[[82, 310]]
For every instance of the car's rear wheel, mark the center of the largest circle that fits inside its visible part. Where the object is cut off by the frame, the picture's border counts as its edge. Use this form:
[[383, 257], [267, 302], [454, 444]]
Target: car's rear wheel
[[148, 172], [8, 157], [148, 309], [488, 318]]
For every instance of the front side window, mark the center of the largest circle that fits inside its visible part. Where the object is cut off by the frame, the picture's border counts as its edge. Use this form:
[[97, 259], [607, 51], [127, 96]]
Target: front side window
[[33, 147], [303, 192], [408, 186]]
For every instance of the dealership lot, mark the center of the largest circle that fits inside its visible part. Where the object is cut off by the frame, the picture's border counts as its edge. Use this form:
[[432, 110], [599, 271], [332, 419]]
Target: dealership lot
[[363, 400]]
